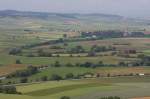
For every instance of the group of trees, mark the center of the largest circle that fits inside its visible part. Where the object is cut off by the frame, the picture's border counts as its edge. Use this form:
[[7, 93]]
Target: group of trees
[[42, 53], [15, 51], [94, 49], [8, 90], [144, 61], [53, 77], [56, 77], [112, 34], [111, 97], [85, 64], [24, 73], [103, 34], [77, 49]]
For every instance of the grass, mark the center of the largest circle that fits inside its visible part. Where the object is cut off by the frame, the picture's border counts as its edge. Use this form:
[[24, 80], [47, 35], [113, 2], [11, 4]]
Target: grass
[[7, 59], [102, 70], [62, 71], [58, 90], [41, 86]]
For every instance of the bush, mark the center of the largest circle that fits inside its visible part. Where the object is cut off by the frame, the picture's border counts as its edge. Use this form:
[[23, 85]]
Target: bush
[[44, 78], [8, 90], [57, 64], [56, 77], [111, 97], [65, 97], [15, 51], [87, 64]]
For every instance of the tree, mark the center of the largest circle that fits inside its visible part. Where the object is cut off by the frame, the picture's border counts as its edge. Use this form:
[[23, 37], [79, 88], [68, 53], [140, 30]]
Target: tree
[[65, 44], [44, 78], [91, 54], [57, 55], [32, 69], [87, 64], [69, 76], [57, 64], [77, 49], [122, 64], [18, 61], [100, 63], [108, 75], [64, 36], [69, 65], [23, 80]]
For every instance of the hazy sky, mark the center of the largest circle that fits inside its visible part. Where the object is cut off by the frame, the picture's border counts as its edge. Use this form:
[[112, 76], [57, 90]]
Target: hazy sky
[[136, 8]]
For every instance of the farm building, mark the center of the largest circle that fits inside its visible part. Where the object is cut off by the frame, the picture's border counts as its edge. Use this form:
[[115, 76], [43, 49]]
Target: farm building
[[128, 51]]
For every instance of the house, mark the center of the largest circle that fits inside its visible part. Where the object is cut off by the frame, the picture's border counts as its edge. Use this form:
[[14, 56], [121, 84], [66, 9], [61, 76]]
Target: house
[[141, 74], [2, 78]]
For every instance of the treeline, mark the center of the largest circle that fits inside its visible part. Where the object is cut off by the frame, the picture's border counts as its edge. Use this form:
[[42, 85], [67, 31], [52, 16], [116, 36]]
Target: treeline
[[57, 77], [85, 64], [75, 50], [143, 61], [111, 34], [18, 50], [109, 97], [53, 77], [94, 49], [103, 34]]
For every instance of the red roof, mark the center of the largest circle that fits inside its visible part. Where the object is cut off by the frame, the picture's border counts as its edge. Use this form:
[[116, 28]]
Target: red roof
[[147, 32]]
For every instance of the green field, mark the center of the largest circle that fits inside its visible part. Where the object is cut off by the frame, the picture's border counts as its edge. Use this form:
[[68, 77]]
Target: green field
[[89, 89], [77, 71]]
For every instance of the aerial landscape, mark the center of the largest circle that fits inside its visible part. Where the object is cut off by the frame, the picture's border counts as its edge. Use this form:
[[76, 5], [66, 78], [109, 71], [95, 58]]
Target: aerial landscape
[[99, 49]]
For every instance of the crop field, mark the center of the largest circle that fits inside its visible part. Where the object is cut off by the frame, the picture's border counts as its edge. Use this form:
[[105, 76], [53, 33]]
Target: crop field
[[63, 71], [102, 70], [4, 70], [141, 44], [89, 89]]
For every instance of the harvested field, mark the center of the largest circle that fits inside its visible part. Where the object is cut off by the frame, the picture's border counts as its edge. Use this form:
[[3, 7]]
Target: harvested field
[[4, 70], [141, 98]]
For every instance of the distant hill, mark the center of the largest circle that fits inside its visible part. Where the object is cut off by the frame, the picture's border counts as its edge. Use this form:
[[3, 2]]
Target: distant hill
[[43, 15]]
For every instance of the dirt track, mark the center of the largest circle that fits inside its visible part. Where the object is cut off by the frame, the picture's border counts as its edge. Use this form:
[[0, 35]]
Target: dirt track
[[141, 98]]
